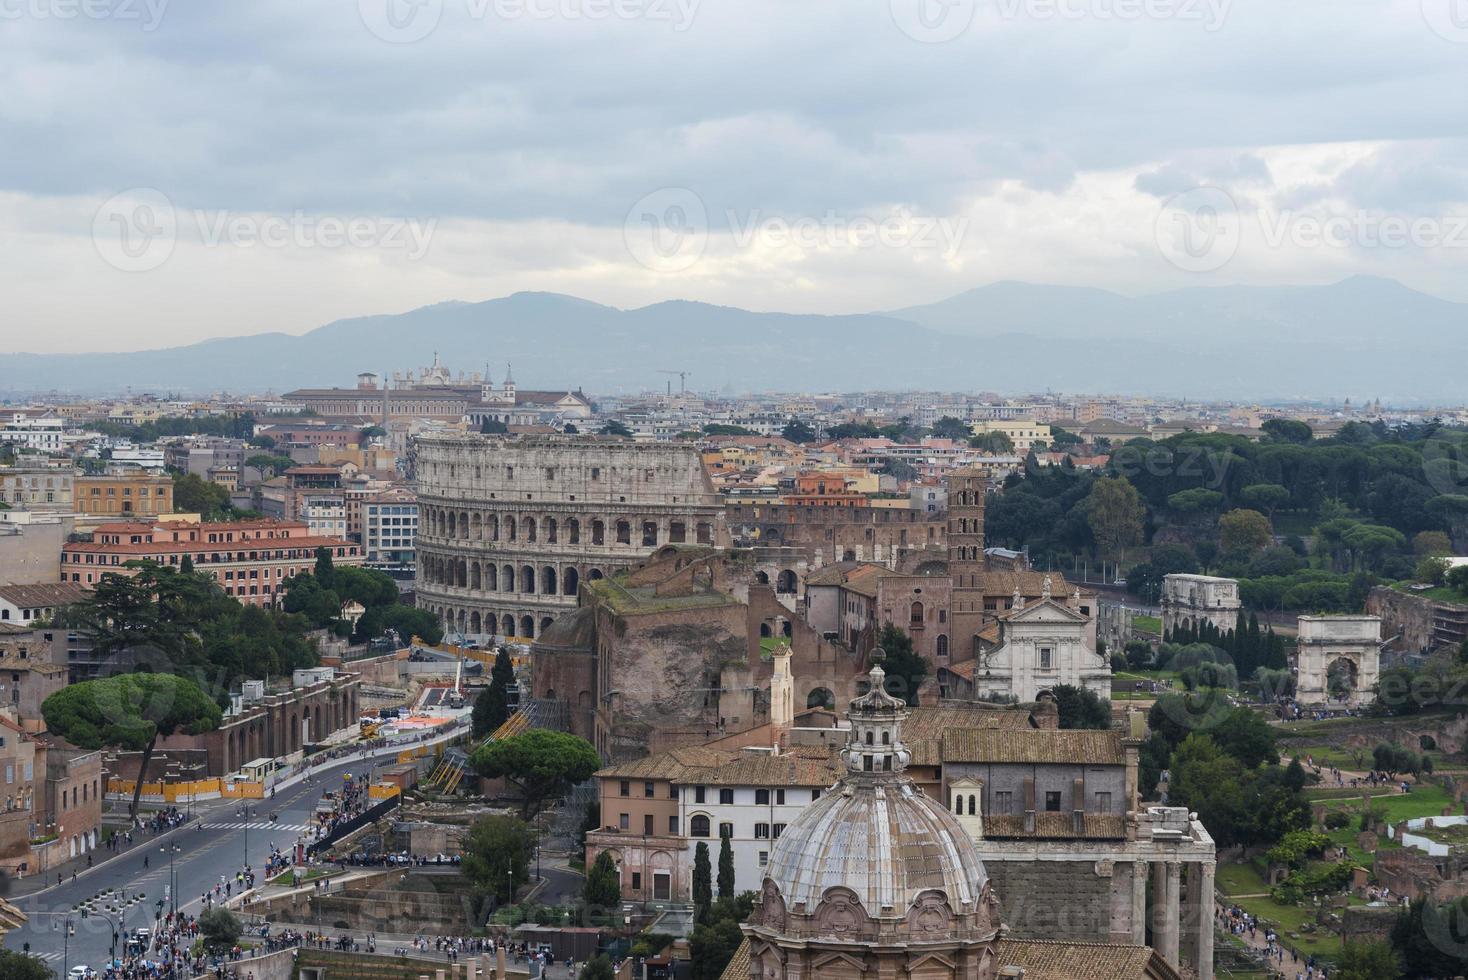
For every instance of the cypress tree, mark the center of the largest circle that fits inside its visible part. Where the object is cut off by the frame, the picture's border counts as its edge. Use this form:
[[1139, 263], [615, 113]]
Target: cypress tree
[[703, 882], [726, 868]]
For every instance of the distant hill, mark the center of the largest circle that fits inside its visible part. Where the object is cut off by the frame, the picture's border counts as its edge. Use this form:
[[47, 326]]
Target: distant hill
[[1362, 337]]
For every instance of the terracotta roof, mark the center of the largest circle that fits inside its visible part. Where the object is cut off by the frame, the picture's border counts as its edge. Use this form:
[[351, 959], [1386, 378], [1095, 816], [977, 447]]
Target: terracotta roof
[[195, 547], [729, 767], [1044, 959], [773, 770], [1030, 746], [41, 596], [1056, 826]]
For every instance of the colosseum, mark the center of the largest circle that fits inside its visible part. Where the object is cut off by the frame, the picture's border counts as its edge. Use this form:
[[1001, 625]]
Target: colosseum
[[510, 526]]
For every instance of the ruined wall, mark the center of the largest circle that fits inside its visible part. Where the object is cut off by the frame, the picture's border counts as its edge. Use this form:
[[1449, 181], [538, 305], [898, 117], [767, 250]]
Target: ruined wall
[[1065, 900], [1410, 615], [896, 538]]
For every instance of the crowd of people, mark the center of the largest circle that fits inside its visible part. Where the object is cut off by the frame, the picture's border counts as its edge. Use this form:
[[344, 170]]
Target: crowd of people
[[165, 953]]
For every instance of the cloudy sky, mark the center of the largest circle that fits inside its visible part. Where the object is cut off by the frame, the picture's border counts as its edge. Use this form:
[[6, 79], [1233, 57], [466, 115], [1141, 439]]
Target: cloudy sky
[[174, 170]]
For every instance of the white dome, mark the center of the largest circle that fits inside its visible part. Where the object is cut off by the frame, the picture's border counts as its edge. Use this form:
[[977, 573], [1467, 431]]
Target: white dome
[[883, 840]]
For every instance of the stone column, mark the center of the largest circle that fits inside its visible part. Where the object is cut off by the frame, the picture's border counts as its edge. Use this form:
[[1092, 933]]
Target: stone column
[[1203, 966], [1139, 903], [1165, 909]]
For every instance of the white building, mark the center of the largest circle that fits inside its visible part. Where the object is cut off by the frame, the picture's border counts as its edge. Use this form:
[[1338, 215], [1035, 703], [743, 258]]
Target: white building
[[29, 429], [390, 528], [1042, 644]]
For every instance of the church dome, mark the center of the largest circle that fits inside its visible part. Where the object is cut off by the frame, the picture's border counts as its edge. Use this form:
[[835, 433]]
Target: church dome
[[875, 859]]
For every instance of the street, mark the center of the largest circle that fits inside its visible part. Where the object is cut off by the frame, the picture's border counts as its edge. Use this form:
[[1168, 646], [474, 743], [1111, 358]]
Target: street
[[219, 841]]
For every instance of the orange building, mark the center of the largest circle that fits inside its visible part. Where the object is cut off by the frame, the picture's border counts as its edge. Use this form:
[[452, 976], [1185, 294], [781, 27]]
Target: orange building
[[141, 494], [825, 490], [251, 560]]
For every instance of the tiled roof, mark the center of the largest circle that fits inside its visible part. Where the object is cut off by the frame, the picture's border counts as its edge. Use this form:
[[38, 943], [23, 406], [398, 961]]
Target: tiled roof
[[730, 767], [738, 968], [1049, 960], [1056, 826], [1074, 747], [43, 595], [773, 770]]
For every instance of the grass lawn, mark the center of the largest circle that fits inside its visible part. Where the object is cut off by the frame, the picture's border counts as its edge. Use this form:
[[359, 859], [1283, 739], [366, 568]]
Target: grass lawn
[[1240, 879], [1148, 624], [1288, 920]]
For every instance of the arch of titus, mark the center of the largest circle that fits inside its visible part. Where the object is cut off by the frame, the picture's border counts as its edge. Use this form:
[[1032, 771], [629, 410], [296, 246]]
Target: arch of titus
[[1349, 644]]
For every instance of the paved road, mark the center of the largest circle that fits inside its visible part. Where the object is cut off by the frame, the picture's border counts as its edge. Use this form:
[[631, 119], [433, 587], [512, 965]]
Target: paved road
[[220, 841]]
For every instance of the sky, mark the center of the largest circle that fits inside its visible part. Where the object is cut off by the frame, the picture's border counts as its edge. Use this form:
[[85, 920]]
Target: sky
[[175, 170]]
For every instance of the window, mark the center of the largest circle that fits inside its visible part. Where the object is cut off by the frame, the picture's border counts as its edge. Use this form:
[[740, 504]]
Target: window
[[764, 858], [698, 795], [1103, 802], [780, 797], [624, 822], [637, 881], [726, 796], [672, 792], [761, 831], [777, 830], [1004, 802], [815, 794], [1052, 801], [726, 831], [626, 788], [647, 825], [647, 790], [762, 797], [698, 826], [672, 825], [1045, 658]]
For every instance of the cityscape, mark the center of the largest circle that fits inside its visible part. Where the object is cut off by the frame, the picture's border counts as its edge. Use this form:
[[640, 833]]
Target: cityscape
[[669, 490]]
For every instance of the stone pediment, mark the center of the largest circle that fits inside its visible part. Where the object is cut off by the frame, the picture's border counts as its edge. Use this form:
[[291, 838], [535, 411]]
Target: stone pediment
[[1046, 611]]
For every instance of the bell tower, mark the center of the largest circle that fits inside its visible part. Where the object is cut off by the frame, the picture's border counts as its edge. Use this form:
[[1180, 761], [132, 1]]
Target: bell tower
[[966, 490]]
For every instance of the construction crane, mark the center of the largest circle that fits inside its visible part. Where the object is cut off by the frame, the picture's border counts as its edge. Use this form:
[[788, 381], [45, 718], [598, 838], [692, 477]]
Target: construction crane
[[682, 381]]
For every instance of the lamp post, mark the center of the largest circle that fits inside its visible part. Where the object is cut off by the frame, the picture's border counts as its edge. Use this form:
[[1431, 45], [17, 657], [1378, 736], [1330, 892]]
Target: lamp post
[[172, 849], [67, 929]]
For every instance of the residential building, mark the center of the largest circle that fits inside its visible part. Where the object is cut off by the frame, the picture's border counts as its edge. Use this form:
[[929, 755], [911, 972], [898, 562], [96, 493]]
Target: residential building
[[17, 792], [21, 605], [1024, 433], [37, 487], [390, 528], [30, 545], [28, 671], [123, 493], [251, 560], [38, 430]]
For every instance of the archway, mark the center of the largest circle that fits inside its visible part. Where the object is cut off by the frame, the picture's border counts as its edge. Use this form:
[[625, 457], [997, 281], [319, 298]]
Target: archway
[[545, 622], [527, 580], [570, 581], [820, 697], [548, 580], [573, 531], [507, 625], [474, 623], [762, 578], [527, 626], [507, 578], [785, 583], [1342, 677], [594, 574], [491, 578]]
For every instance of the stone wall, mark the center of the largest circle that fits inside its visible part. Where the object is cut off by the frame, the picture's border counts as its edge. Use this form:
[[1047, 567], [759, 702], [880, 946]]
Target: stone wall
[[1064, 900], [1409, 615]]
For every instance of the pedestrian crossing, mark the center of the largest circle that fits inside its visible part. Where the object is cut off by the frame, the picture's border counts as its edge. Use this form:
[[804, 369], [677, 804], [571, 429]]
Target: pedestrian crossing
[[258, 825], [47, 957]]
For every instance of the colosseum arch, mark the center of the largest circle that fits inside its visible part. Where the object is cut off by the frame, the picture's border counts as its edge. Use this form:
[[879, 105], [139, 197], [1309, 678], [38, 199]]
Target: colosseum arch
[[527, 580], [624, 532], [598, 532], [474, 577], [507, 578], [548, 580], [507, 625], [545, 622], [573, 531], [785, 584], [570, 581], [477, 524], [527, 528], [550, 530], [512, 528], [527, 627], [594, 574], [491, 578], [474, 623], [464, 524], [649, 534], [492, 524]]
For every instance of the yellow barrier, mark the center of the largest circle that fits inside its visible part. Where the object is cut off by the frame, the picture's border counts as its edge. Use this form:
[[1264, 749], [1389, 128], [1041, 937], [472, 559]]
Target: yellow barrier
[[382, 791], [182, 792], [242, 791]]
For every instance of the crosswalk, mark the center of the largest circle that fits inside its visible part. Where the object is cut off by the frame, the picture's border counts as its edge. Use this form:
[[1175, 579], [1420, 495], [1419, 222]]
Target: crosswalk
[[258, 825], [47, 957]]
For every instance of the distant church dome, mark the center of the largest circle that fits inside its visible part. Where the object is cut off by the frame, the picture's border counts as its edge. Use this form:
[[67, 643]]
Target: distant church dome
[[875, 863]]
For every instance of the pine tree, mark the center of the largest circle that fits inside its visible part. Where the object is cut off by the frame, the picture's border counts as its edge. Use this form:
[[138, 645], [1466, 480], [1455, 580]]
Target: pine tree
[[603, 889], [186, 567], [703, 882], [726, 868]]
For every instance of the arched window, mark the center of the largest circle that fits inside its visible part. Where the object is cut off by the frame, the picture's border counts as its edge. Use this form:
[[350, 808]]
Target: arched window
[[698, 826], [917, 612], [971, 804], [943, 646]]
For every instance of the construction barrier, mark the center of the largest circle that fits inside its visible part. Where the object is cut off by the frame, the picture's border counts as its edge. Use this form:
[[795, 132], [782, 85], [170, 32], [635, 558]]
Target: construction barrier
[[381, 791]]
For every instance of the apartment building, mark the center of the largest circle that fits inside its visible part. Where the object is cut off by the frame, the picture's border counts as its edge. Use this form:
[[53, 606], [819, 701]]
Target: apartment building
[[135, 493], [251, 560], [390, 528]]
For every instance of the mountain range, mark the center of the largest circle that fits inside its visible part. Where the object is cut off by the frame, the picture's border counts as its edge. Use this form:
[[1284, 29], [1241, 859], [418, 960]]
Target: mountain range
[[1363, 337]]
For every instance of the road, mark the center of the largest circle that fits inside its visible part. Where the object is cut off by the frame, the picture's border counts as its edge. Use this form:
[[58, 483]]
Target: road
[[220, 841]]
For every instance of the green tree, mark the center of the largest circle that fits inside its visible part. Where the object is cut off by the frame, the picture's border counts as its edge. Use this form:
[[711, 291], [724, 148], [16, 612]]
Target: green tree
[[497, 855], [1266, 497], [615, 428], [129, 712], [997, 443], [1081, 708], [798, 432], [703, 883], [492, 707], [194, 494], [220, 929], [904, 667], [541, 763], [1431, 544], [598, 968], [1367, 961], [1426, 935], [603, 888], [493, 427], [1197, 503], [1243, 532], [726, 868], [1114, 512], [949, 427], [23, 966], [1245, 735], [269, 463], [712, 946], [1288, 431]]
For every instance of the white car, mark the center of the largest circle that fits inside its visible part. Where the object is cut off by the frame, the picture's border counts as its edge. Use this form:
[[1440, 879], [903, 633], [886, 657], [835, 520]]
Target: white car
[[80, 973]]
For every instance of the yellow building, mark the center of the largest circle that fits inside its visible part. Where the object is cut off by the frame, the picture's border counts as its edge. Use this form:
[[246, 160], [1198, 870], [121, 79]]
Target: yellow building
[[142, 494], [1024, 433]]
